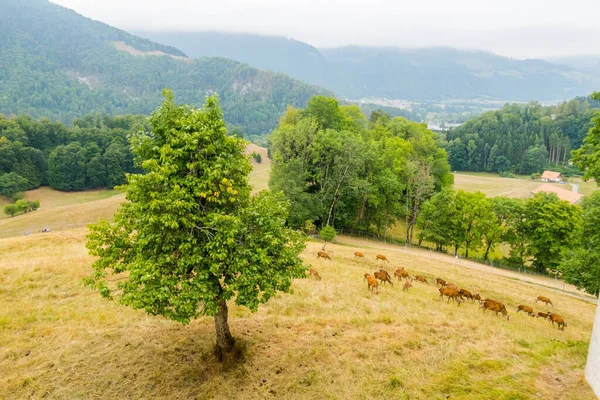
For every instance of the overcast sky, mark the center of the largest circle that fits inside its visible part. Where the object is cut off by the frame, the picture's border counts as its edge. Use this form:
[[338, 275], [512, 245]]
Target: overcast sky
[[515, 28]]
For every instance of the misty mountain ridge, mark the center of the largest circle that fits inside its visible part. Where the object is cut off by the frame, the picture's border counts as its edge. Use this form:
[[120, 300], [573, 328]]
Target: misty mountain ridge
[[418, 74]]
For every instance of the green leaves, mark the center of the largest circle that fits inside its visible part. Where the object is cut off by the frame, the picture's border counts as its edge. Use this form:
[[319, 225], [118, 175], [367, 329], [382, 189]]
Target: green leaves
[[580, 264], [337, 170], [190, 234], [587, 158], [550, 225]]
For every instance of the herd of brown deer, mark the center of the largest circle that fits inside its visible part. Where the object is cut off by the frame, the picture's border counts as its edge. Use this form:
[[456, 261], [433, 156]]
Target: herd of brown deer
[[446, 289]]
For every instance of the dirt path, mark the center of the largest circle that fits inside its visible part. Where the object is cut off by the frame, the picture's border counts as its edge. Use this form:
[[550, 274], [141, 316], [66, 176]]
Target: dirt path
[[556, 285]]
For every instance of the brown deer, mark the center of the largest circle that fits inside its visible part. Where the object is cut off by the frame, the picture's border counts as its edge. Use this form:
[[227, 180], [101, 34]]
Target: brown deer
[[544, 299], [440, 281], [314, 274], [467, 294], [542, 315], [493, 305], [358, 254], [383, 276], [372, 283], [382, 258], [322, 254], [401, 273], [558, 319], [407, 285], [421, 278], [451, 293], [526, 309]]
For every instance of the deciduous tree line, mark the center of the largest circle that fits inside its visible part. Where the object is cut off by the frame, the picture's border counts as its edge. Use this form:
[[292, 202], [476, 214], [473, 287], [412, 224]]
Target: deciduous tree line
[[537, 230], [337, 168], [94, 152]]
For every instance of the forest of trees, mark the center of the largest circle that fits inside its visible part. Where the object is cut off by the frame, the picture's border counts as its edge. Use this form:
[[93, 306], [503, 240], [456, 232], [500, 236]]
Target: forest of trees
[[339, 169], [524, 139], [93, 153], [57, 64]]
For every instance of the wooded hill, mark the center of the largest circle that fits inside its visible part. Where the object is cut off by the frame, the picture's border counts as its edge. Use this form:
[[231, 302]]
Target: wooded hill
[[58, 64], [521, 138], [426, 74]]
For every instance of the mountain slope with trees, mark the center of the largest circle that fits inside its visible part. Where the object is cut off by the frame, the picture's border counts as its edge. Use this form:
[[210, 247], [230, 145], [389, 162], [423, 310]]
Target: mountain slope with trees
[[427, 74], [55, 63], [521, 138]]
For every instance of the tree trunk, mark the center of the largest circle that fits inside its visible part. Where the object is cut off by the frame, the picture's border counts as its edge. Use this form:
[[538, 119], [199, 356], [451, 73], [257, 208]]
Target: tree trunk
[[487, 250], [467, 251], [336, 195], [225, 341]]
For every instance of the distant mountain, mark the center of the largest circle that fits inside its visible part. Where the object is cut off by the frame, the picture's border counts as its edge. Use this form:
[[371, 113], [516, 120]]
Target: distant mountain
[[56, 63], [274, 53], [428, 74], [588, 63], [444, 73]]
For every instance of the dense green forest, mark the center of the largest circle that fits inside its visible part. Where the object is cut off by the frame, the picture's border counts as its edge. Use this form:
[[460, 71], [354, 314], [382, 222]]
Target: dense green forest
[[93, 153], [425, 74], [339, 169], [57, 64], [521, 138]]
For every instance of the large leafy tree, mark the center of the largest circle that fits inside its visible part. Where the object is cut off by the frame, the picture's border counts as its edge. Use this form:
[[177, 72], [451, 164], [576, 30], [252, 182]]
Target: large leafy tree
[[550, 226], [510, 214], [336, 169], [190, 237], [587, 157], [475, 216], [436, 220], [580, 265]]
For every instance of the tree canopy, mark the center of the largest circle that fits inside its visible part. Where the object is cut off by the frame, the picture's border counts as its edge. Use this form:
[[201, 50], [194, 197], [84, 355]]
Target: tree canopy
[[339, 170], [190, 237]]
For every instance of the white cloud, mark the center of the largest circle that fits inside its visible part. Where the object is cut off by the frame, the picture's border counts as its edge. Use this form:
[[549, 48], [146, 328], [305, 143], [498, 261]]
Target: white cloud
[[516, 28]]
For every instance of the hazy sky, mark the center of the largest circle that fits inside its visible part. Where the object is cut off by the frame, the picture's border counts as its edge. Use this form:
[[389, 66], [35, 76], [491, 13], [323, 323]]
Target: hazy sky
[[515, 28]]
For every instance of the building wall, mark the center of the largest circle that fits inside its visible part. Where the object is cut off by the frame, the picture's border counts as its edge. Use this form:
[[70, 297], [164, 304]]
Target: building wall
[[592, 370]]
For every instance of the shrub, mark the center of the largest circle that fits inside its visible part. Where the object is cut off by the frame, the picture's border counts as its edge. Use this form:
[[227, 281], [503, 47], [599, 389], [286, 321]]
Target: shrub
[[309, 227], [17, 196], [327, 233], [11, 210]]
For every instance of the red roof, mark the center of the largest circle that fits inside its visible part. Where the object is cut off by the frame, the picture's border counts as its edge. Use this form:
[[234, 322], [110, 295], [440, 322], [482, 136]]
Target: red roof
[[562, 194], [550, 175]]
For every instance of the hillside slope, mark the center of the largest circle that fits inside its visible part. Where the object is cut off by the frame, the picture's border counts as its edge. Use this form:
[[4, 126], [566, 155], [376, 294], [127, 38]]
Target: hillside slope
[[427, 74], [328, 339], [55, 63]]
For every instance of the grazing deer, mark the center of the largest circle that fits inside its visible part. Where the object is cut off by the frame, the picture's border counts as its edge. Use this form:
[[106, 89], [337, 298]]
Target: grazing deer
[[314, 274], [382, 258], [544, 299]]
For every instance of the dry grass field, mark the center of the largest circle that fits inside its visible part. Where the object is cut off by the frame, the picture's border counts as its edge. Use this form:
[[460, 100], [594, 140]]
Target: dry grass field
[[329, 339], [259, 177], [60, 217], [493, 185]]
